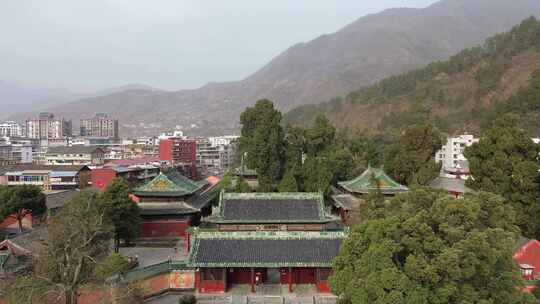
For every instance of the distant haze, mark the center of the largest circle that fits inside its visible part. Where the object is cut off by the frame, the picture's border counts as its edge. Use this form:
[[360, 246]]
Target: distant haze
[[85, 46]]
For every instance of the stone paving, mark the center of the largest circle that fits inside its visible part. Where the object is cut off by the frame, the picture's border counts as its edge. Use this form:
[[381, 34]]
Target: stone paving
[[153, 255], [266, 294]]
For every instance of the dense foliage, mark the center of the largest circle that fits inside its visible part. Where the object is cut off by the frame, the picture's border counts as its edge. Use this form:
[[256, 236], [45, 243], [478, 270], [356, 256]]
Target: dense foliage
[[262, 142], [410, 160], [78, 238], [113, 264], [505, 161], [428, 247], [121, 211], [293, 159], [20, 201]]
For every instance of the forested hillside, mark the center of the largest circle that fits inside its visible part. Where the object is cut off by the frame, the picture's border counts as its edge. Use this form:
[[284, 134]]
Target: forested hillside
[[461, 94]]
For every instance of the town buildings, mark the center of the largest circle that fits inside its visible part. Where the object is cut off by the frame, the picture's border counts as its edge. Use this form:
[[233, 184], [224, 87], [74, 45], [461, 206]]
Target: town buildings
[[75, 155], [215, 155], [46, 126], [181, 153], [46, 177], [10, 129], [99, 126], [451, 155], [134, 175], [15, 154]]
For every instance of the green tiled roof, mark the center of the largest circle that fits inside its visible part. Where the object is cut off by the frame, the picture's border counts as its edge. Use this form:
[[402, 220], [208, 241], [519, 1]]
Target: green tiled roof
[[270, 208], [170, 184], [264, 249], [373, 179]]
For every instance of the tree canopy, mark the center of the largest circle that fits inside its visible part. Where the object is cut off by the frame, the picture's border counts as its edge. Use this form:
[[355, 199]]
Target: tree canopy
[[428, 247], [121, 211], [262, 142], [411, 160], [78, 239], [20, 201], [505, 161]]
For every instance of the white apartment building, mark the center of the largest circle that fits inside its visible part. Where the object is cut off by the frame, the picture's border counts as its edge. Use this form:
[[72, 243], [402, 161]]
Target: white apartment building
[[451, 154], [46, 126], [16, 153], [10, 129]]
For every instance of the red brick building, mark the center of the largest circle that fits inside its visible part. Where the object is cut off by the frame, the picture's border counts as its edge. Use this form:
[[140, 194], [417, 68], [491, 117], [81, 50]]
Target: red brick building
[[133, 175], [180, 152], [266, 238]]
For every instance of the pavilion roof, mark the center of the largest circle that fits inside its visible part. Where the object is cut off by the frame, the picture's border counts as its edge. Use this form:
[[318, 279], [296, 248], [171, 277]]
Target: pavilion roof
[[265, 249], [270, 208], [373, 179], [169, 184]]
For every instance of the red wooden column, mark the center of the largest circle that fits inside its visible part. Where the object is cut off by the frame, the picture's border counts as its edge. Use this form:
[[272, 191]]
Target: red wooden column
[[252, 280], [290, 279]]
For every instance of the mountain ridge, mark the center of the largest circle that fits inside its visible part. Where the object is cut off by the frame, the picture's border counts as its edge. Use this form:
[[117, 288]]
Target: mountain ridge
[[361, 53], [462, 94]]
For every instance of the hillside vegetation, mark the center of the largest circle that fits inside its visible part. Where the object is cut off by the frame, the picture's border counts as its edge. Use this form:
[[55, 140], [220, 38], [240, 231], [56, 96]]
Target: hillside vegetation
[[461, 94]]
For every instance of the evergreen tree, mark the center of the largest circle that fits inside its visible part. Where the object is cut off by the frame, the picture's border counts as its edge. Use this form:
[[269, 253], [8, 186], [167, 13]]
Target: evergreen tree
[[19, 201], [121, 211], [505, 161], [288, 183], [263, 140], [428, 247], [411, 161], [320, 137]]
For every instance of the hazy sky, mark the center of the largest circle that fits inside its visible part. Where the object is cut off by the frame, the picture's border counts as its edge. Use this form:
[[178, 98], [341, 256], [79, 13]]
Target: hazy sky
[[170, 44]]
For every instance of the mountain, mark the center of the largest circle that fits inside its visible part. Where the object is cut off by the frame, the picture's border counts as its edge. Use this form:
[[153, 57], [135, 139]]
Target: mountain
[[369, 49], [15, 98], [124, 88], [462, 94]]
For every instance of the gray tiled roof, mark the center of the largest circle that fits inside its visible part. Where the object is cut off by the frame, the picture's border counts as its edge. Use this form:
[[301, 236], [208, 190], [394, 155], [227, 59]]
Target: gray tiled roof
[[266, 252], [294, 207], [450, 184], [79, 149], [58, 199], [276, 209]]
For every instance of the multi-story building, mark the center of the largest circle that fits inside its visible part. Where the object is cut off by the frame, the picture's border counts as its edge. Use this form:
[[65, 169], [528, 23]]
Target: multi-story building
[[99, 126], [10, 129], [45, 126], [180, 152], [15, 154], [451, 154], [46, 177], [76, 155], [215, 155]]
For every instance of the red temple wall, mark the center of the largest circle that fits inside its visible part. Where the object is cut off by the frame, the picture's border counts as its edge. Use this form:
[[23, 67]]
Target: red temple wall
[[212, 287], [239, 276], [305, 275], [323, 287], [165, 228]]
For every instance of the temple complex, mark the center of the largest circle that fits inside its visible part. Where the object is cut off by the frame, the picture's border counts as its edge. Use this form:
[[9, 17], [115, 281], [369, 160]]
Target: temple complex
[[265, 238], [348, 197], [373, 179], [171, 203]]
